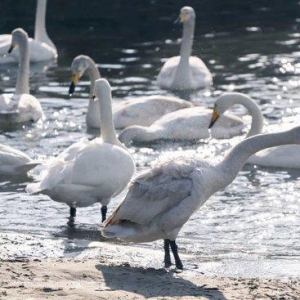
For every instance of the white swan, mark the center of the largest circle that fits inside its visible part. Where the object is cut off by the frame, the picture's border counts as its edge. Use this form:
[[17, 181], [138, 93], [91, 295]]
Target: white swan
[[189, 124], [21, 106], [139, 111], [287, 156], [89, 171], [185, 72], [15, 162], [162, 200], [41, 48]]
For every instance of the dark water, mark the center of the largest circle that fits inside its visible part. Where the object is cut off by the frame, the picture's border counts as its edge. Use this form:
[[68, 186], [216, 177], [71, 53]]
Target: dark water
[[251, 228]]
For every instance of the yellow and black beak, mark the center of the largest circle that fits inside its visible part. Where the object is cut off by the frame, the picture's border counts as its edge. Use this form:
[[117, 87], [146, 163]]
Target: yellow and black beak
[[214, 118], [74, 80]]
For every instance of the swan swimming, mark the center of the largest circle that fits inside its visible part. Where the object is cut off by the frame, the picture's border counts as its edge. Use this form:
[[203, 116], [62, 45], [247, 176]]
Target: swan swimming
[[185, 72], [287, 156], [189, 124], [20, 107], [15, 162], [160, 201], [41, 48], [139, 111], [89, 171]]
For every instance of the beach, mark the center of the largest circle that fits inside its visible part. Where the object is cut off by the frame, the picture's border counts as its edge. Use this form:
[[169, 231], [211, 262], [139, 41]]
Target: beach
[[97, 279], [34, 268]]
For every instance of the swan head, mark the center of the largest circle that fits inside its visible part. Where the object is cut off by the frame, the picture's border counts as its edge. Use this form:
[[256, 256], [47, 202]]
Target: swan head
[[223, 103], [187, 14], [78, 67], [18, 35], [102, 89]]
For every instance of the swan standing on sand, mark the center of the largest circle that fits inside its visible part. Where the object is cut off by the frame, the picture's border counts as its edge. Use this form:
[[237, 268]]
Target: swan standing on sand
[[89, 171], [20, 107], [190, 124], [162, 200], [139, 111], [15, 162], [185, 72], [41, 48], [287, 156]]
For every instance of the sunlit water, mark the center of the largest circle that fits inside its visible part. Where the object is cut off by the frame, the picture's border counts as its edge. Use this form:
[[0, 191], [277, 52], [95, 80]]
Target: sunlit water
[[255, 221]]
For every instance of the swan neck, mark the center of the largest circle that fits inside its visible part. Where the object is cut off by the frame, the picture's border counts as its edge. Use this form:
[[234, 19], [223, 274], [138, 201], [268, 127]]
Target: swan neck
[[93, 74], [238, 155], [253, 109], [40, 33], [108, 132], [257, 122], [187, 40], [22, 86]]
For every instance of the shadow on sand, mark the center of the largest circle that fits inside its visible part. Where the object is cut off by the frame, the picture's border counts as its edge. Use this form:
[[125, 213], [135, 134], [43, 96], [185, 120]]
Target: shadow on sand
[[150, 282]]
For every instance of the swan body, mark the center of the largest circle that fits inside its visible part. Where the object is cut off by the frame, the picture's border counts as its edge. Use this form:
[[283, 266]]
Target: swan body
[[14, 162], [139, 111], [21, 106], [160, 201], [41, 48], [287, 156], [89, 171], [189, 124], [185, 72], [146, 110]]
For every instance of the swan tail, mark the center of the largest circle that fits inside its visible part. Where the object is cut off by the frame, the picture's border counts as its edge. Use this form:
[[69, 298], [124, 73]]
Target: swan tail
[[118, 231], [33, 188]]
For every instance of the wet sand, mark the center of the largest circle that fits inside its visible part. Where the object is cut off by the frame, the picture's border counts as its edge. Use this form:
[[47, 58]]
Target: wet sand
[[98, 279], [36, 267]]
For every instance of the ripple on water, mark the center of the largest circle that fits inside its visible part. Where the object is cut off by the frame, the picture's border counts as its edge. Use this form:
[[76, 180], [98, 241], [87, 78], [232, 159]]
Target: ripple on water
[[254, 222]]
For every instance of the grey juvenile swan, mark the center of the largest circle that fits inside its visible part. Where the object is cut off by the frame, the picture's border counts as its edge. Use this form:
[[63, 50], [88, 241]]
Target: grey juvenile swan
[[160, 201]]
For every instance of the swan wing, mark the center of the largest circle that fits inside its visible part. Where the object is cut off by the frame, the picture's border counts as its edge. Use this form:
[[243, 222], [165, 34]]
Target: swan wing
[[166, 75], [145, 110], [154, 193], [58, 169]]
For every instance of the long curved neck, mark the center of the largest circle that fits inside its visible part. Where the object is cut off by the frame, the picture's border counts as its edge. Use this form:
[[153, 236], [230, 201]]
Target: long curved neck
[[93, 74], [40, 33], [238, 155], [254, 111], [92, 116], [108, 132], [139, 133], [183, 73], [22, 86], [187, 40]]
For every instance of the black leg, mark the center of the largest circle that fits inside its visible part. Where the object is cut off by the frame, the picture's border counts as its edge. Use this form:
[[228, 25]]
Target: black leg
[[72, 216], [174, 249], [167, 253], [103, 212]]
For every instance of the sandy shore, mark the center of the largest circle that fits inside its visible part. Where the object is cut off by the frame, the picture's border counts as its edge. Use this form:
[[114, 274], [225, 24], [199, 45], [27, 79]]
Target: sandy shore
[[32, 267], [97, 279]]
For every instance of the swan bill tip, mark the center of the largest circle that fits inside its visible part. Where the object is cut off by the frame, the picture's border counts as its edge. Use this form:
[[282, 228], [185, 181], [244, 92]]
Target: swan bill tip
[[71, 89]]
